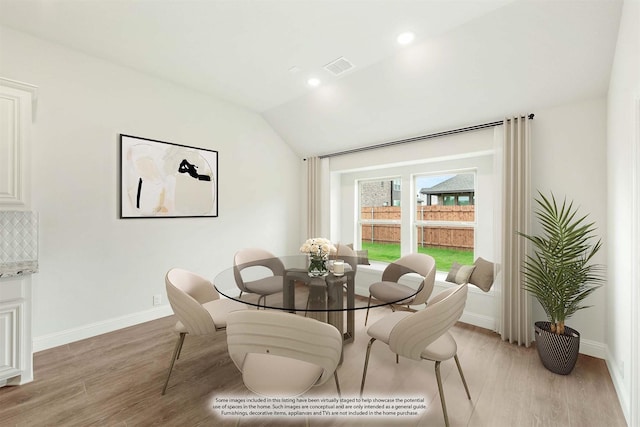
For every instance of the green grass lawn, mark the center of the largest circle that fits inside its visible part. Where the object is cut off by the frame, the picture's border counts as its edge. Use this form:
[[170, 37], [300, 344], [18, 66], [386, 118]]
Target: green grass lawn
[[389, 252]]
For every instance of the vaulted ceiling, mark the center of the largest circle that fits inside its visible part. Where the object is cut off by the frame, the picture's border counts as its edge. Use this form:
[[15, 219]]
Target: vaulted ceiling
[[471, 61]]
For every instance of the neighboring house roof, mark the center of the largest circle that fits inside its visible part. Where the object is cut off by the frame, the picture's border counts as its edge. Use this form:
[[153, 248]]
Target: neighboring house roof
[[455, 184]]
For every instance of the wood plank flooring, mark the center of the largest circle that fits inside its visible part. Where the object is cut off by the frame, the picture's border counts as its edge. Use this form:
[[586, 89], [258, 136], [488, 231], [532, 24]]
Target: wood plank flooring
[[116, 380]]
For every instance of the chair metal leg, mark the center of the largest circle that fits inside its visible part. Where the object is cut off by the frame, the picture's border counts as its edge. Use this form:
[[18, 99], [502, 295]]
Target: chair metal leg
[[441, 392], [176, 352], [179, 350], [264, 301], [397, 358], [335, 377], [180, 345], [462, 376], [367, 316], [366, 363]]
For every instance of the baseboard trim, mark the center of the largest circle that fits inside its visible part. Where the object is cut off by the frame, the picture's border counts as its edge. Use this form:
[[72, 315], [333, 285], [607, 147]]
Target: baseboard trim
[[618, 384], [479, 320], [593, 348], [56, 339]]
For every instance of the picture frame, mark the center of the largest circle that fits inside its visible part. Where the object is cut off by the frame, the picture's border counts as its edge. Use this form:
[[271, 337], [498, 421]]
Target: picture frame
[[161, 179]]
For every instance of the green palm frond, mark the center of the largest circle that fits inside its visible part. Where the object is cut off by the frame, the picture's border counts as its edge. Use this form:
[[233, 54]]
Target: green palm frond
[[559, 274]]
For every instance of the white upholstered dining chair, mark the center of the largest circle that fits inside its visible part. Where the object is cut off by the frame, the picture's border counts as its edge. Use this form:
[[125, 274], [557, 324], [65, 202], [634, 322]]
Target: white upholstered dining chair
[[282, 354], [264, 286], [423, 335], [198, 307], [390, 291]]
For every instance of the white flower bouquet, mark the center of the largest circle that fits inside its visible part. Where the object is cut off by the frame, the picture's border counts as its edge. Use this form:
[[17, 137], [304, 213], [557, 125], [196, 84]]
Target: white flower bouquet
[[318, 249], [318, 246]]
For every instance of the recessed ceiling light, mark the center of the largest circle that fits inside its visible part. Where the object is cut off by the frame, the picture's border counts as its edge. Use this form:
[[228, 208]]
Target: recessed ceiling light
[[405, 38], [313, 82]]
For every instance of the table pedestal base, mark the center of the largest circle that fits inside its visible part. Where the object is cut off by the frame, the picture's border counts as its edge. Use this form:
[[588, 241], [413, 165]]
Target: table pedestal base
[[326, 299]]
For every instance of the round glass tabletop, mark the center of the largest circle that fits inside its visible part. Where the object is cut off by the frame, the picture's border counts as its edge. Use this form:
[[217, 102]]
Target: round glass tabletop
[[284, 283]]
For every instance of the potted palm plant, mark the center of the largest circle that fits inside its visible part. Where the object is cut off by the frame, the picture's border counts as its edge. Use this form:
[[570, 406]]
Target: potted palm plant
[[560, 275]]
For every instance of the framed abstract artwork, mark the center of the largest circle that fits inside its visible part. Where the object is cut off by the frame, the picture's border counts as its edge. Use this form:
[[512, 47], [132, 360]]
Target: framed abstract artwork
[[165, 180]]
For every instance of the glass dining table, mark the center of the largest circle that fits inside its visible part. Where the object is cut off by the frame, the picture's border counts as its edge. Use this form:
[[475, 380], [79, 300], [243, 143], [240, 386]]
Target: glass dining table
[[329, 298]]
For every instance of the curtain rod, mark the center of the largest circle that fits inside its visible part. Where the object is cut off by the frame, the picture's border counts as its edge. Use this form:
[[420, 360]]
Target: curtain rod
[[418, 138]]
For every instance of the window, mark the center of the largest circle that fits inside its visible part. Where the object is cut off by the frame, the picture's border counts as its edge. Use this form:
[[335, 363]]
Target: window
[[446, 230], [379, 218], [443, 217], [469, 154]]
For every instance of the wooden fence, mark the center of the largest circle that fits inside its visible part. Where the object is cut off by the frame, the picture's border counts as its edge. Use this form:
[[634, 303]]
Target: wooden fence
[[431, 236]]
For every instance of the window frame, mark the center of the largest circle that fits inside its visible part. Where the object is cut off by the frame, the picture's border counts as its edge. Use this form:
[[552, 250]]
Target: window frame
[[408, 223], [346, 205]]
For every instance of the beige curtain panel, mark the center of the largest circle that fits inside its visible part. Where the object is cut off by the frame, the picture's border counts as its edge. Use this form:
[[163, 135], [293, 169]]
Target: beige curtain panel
[[314, 176], [515, 320]]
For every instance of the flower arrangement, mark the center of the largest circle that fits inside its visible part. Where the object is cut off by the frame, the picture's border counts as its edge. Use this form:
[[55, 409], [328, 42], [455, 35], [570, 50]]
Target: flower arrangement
[[318, 246], [318, 249]]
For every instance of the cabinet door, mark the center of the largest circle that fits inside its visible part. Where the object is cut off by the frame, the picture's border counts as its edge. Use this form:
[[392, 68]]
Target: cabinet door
[[10, 334], [16, 101]]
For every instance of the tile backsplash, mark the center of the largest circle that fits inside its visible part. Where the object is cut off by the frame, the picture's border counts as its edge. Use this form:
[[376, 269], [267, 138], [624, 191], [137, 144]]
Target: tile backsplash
[[18, 243]]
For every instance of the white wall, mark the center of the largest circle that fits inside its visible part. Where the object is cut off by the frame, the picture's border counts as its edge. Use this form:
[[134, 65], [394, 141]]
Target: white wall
[[568, 158], [98, 272], [623, 201]]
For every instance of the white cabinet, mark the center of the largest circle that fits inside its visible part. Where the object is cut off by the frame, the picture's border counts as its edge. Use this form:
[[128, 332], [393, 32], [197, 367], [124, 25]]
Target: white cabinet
[[18, 232], [16, 365]]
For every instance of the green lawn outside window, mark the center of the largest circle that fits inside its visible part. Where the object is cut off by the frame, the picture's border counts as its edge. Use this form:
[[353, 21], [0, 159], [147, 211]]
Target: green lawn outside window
[[389, 252]]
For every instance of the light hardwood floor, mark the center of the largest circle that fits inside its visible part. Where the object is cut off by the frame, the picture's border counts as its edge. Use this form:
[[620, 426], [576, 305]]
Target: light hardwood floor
[[116, 380]]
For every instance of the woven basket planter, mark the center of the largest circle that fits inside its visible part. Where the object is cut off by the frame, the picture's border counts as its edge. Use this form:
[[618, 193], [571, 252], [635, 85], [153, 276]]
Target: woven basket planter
[[558, 353]]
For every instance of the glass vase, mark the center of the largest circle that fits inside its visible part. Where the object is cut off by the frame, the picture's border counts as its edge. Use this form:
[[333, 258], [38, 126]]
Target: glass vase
[[317, 266]]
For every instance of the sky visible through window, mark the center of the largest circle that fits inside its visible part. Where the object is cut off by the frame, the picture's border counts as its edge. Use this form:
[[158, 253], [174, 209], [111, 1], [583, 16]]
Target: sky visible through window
[[430, 181]]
